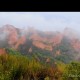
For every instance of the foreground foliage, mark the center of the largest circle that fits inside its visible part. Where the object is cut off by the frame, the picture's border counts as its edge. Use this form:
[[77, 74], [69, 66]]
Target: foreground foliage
[[18, 67]]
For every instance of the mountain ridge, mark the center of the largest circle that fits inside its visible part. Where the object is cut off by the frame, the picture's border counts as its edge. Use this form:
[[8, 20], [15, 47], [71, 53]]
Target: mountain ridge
[[31, 40]]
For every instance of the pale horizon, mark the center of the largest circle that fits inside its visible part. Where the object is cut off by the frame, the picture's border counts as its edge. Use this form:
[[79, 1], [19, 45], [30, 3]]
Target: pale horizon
[[46, 21]]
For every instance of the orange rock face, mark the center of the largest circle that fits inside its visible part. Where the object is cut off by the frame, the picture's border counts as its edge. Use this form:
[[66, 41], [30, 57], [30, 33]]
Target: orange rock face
[[13, 38], [42, 45], [36, 37], [38, 44], [2, 51], [45, 43], [38, 41], [20, 41], [57, 39], [12, 33], [76, 44]]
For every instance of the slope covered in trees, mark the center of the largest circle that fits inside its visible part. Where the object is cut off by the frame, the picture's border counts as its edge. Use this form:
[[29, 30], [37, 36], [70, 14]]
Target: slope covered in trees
[[19, 67]]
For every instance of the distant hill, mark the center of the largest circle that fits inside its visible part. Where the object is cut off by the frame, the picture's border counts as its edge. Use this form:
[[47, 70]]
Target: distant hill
[[44, 46]]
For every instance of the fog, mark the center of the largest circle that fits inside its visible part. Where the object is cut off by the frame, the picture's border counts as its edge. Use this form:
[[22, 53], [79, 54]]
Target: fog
[[46, 21]]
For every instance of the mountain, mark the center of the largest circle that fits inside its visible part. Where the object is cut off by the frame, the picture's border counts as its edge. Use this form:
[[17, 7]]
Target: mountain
[[43, 45]]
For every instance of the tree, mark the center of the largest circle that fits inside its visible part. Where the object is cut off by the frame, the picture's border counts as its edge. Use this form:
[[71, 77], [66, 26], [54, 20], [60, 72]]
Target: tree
[[72, 71]]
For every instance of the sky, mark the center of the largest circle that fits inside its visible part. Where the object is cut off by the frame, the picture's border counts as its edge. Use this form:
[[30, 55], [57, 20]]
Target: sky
[[46, 21]]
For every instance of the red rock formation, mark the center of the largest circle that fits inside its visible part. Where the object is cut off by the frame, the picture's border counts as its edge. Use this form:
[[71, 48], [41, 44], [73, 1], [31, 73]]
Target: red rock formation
[[57, 39], [20, 41], [42, 45], [35, 37], [38, 44], [2, 51], [14, 39], [76, 44], [12, 33]]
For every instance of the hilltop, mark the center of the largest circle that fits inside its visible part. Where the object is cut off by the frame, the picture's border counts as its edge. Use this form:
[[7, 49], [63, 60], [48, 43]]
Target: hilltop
[[43, 45]]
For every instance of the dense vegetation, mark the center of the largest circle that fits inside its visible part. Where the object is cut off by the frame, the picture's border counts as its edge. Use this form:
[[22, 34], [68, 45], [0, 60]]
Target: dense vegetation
[[19, 67]]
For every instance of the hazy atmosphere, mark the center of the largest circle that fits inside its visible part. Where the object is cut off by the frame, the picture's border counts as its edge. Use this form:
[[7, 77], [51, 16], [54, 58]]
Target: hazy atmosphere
[[49, 21], [39, 45]]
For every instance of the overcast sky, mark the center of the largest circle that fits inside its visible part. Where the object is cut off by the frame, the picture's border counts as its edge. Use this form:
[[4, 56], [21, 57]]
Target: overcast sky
[[49, 21]]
